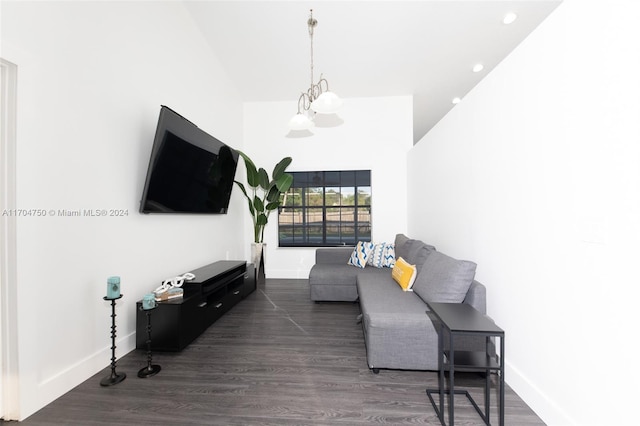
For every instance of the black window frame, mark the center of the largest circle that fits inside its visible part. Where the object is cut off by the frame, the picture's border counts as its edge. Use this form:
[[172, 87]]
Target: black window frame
[[327, 233]]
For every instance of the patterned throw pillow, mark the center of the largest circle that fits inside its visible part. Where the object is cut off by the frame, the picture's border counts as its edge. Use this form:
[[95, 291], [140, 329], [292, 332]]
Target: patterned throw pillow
[[404, 274], [389, 256], [382, 256], [361, 254]]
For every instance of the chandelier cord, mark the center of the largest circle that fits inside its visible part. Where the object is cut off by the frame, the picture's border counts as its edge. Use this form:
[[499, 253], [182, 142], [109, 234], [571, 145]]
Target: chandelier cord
[[311, 23], [325, 102]]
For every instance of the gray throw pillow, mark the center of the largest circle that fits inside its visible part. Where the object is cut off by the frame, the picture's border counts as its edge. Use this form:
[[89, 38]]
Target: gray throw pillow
[[444, 279]]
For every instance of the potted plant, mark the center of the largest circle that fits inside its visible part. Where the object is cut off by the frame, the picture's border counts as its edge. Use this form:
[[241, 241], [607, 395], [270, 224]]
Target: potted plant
[[263, 196]]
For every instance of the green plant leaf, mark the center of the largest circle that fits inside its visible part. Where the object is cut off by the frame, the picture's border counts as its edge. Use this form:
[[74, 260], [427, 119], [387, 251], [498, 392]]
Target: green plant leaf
[[273, 194], [252, 172], [264, 191], [279, 169], [263, 178], [272, 206], [258, 204], [284, 182], [244, 191]]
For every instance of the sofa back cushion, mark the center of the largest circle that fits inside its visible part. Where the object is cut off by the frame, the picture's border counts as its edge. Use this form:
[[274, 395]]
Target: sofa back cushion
[[444, 279], [418, 253], [401, 247], [413, 251]]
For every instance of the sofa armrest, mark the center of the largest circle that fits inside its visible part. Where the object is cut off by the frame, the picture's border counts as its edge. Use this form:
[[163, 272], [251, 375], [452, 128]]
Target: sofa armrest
[[477, 296], [333, 255]]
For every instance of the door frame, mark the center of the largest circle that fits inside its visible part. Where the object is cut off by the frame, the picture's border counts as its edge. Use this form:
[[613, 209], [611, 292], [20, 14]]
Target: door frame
[[9, 388]]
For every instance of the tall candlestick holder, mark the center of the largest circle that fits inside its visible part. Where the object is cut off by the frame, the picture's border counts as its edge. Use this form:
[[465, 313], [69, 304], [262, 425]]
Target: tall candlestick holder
[[114, 378], [151, 369]]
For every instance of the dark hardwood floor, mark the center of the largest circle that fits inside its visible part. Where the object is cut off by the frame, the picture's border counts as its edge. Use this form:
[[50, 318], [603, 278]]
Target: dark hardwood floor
[[275, 359]]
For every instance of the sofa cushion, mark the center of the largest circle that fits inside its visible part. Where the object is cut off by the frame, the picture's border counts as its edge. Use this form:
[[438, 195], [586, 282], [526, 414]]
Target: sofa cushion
[[328, 274], [444, 279], [361, 254], [334, 255], [382, 256], [398, 333], [413, 251], [404, 274], [401, 246], [418, 252]]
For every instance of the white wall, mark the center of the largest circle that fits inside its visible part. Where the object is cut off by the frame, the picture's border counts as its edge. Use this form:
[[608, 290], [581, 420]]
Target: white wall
[[91, 78], [535, 176], [376, 135]]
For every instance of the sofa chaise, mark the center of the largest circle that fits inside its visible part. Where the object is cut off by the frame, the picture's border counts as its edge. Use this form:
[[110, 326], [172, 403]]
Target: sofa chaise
[[398, 330]]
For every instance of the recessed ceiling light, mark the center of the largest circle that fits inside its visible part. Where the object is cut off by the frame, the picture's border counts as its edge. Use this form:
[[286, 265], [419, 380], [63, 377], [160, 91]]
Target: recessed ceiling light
[[478, 67], [456, 101], [509, 18]]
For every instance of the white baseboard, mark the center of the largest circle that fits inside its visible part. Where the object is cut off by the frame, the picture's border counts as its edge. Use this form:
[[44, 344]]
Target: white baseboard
[[57, 385], [287, 274], [543, 406]]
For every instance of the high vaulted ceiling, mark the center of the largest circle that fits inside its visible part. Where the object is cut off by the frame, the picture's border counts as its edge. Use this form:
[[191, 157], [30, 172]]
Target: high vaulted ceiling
[[426, 49]]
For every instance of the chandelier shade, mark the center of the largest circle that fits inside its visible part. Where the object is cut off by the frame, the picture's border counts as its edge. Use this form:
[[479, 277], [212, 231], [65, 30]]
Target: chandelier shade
[[300, 121], [327, 103], [317, 98]]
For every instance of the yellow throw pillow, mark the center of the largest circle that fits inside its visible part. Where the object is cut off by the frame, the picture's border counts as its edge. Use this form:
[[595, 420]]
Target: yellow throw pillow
[[404, 274]]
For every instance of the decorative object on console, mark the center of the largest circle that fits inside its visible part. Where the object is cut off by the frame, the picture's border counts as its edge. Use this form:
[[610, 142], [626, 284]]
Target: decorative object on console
[[172, 293], [149, 301], [171, 287], [317, 98], [263, 196], [114, 378]]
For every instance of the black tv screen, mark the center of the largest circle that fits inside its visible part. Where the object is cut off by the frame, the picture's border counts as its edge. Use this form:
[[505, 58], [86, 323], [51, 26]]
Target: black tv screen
[[189, 170]]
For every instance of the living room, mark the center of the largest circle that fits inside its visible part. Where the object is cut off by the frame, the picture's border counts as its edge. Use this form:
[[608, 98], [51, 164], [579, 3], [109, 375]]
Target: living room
[[533, 175]]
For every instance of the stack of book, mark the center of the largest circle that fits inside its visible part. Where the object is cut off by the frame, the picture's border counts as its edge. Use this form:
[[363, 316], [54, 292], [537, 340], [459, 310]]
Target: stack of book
[[172, 293]]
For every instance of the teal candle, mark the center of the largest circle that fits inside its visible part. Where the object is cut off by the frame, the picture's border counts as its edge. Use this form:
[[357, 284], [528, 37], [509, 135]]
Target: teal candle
[[113, 287], [149, 301]]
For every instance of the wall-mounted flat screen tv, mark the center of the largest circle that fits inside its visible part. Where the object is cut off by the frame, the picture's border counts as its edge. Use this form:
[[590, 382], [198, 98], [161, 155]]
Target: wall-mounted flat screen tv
[[189, 170]]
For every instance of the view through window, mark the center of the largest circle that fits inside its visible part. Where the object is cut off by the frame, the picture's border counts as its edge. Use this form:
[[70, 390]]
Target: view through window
[[326, 208]]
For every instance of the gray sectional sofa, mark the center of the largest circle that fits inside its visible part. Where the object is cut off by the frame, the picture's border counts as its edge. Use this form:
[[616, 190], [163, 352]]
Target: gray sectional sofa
[[399, 333]]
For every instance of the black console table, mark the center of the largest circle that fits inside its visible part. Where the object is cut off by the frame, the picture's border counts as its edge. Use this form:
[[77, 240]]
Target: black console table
[[216, 288], [457, 319]]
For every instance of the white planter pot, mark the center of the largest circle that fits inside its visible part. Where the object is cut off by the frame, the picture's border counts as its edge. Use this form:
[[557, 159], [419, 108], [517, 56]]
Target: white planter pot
[[258, 252]]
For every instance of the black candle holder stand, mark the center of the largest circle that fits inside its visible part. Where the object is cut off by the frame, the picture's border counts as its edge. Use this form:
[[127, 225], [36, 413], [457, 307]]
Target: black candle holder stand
[[114, 378], [151, 369]]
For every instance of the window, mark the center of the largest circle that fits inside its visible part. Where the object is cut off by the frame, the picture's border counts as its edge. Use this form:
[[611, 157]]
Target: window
[[326, 209]]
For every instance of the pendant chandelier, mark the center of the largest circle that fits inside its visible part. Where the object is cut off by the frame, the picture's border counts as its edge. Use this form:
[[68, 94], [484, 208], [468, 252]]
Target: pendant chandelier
[[317, 98]]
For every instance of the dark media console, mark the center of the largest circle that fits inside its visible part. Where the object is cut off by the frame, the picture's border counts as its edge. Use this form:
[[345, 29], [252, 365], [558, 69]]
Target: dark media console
[[215, 289]]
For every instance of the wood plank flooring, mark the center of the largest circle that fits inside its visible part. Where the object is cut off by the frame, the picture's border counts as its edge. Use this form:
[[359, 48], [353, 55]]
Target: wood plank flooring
[[275, 359]]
